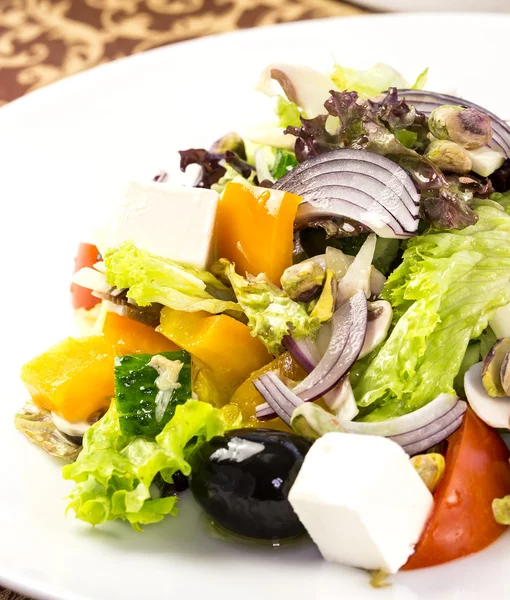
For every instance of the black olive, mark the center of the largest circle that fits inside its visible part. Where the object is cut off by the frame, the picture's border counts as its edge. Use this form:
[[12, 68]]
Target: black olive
[[180, 483], [242, 481]]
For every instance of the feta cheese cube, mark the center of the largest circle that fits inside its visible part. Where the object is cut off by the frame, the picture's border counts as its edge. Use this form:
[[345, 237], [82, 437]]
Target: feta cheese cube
[[172, 222], [486, 160], [361, 501]]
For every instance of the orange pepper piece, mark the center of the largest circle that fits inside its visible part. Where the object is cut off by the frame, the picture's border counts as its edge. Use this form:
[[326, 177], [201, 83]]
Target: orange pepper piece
[[255, 229], [75, 377], [132, 337], [224, 345]]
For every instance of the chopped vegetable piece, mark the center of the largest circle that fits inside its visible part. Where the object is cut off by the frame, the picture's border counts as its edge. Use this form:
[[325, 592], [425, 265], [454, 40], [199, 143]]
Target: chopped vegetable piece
[[221, 343], [87, 256], [248, 398], [74, 378], [372, 81], [255, 229], [113, 473], [284, 161], [271, 313], [37, 424], [443, 294], [136, 392], [153, 279], [132, 337], [477, 471], [312, 421]]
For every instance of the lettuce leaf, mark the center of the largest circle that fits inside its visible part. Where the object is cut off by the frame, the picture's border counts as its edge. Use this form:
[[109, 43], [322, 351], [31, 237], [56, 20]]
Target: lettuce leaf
[[271, 313], [114, 473], [503, 199], [443, 294], [153, 279], [370, 82], [287, 112], [421, 80], [284, 162]]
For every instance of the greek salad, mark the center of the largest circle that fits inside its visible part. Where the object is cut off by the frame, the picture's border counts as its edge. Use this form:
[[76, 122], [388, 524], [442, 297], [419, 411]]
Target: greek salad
[[314, 337]]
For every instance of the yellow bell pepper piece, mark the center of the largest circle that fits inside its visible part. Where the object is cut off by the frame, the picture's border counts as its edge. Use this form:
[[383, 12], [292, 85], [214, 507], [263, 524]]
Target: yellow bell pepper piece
[[247, 398], [224, 347], [132, 337], [74, 378], [255, 229]]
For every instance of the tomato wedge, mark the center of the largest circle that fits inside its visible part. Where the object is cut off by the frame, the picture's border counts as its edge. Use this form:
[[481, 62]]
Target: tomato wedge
[[81, 297], [477, 471]]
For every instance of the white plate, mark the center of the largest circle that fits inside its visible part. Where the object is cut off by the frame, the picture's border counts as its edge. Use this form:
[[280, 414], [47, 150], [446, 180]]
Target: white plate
[[436, 5], [66, 152]]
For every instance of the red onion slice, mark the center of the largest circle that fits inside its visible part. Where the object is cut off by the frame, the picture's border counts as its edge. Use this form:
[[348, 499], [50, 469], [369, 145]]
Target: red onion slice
[[426, 443], [426, 102], [278, 397], [412, 421], [389, 187], [358, 185], [304, 352], [431, 429], [349, 326]]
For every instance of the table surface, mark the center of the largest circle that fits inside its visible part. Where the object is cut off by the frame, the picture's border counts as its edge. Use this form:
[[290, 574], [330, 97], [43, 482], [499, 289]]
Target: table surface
[[42, 41]]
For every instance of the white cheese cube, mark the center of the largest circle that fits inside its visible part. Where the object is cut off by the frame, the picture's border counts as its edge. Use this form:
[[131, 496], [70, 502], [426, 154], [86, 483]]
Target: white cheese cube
[[361, 501], [486, 160], [172, 222]]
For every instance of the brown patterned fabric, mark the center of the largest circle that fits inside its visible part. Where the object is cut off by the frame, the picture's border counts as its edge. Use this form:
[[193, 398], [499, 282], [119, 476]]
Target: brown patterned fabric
[[42, 41]]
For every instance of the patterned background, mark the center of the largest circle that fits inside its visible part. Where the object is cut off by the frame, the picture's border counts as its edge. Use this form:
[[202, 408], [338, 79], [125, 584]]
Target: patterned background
[[42, 41]]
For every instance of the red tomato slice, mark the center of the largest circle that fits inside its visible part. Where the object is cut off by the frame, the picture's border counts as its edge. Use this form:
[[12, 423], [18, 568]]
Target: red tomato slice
[[477, 471], [87, 256]]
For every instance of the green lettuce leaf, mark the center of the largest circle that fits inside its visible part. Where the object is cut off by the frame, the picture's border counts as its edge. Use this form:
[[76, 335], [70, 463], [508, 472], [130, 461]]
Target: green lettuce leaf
[[471, 357], [114, 473], [232, 175], [443, 295], [284, 161], [368, 83], [421, 80], [503, 199], [153, 279], [271, 313], [287, 112], [487, 340]]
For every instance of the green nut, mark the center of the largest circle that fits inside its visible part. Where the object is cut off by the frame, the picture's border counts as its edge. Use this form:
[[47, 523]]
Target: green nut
[[468, 127], [303, 282], [430, 467], [449, 156], [325, 306], [230, 141]]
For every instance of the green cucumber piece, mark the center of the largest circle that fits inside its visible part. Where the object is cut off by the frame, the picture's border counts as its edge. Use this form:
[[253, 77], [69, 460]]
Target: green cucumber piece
[[136, 391]]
